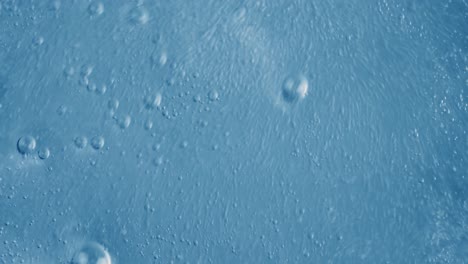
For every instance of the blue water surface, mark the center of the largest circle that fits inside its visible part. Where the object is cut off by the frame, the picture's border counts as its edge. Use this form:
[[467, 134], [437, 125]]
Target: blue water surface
[[254, 131]]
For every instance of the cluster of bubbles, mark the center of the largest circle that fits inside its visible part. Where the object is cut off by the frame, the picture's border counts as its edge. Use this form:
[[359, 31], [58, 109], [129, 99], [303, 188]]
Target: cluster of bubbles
[[97, 142], [26, 145], [85, 73]]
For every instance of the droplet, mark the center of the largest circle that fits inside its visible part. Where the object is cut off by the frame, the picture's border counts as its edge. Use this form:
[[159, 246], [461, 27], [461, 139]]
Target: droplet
[[96, 8], [92, 253], [138, 15], [153, 100], [26, 145], [97, 142], [43, 153], [81, 142], [294, 88], [124, 122]]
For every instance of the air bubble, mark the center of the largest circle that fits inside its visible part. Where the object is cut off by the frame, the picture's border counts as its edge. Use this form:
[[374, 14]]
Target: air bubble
[[101, 89], [138, 15], [92, 253], [55, 5], [158, 161], [163, 59], [96, 8], [153, 100], [26, 145], [69, 71], [294, 88], [213, 95], [86, 70], [91, 87], [39, 40], [97, 142], [84, 81], [113, 104], [159, 59], [81, 142], [148, 124], [124, 122], [61, 110], [43, 153]]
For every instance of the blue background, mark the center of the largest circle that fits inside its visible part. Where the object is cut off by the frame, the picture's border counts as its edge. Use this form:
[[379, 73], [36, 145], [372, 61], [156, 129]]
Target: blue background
[[369, 167]]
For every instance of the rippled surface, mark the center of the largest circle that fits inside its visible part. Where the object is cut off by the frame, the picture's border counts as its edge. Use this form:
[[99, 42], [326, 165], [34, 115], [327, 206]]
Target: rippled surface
[[233, 131]]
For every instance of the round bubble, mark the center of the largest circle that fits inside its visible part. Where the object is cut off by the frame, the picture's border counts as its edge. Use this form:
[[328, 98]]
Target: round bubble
[[138, 15], [113, 104], [96, 8], [97, 142], [153, 100], [81, 142], [294, 88], [101, 89], [92, 253], [26, 145], [43, 153], [148, 124], [124, 122], [213, 95]]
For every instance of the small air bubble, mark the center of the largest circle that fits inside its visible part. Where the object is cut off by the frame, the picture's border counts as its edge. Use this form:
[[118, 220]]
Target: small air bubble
[[294, 88], [153, 100], [113, 104], [138, 15], [96, 9], [91, 87], [158, 161], [148, 124], [69, 71], [55, 5], [84, 81], [101, 89], [163, 59], [61, 110], [197, 98], [43, 153], [39, 40], [97, 142], [124, 122], [81, 142], [86, 70], [92, 253], [26, 145], [213, 95]]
